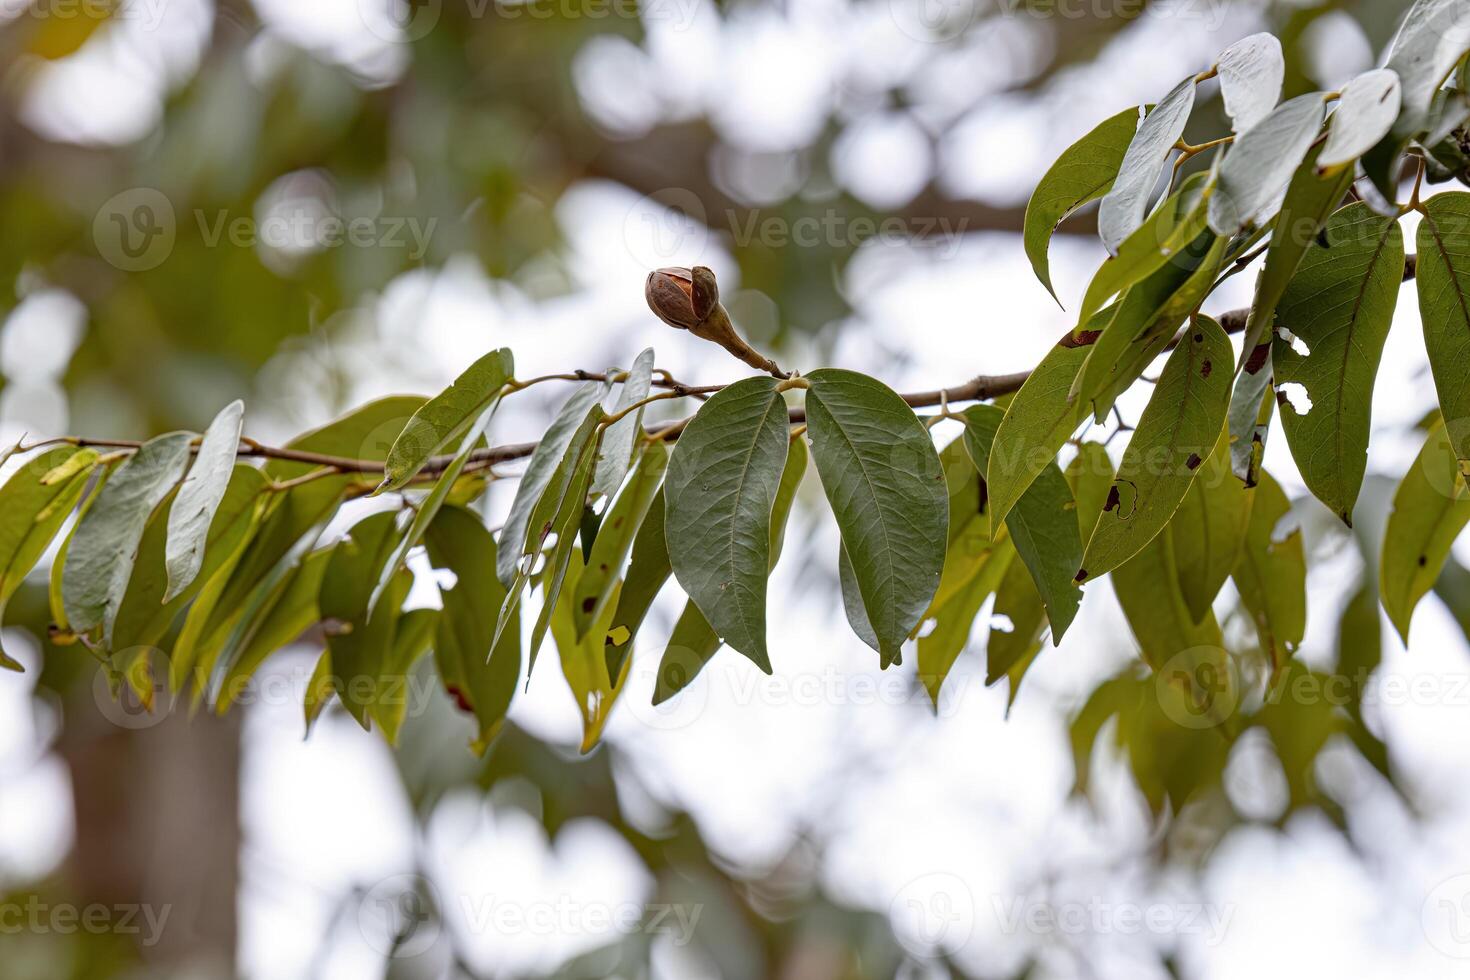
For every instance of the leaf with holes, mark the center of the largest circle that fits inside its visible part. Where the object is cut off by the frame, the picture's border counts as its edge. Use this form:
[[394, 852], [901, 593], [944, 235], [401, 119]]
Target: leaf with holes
[[887, 490], [1175, 434], [1339, 305]]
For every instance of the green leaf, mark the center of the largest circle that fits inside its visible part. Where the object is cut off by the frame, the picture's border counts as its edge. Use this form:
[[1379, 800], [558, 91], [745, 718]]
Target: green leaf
[[887, 490], [583, 664], [546, 462], [446, 415], [1009, 652], [1310, 198], [1251, 72], [954, 620], [1258, 167], [1340, 305], [1444, 304], [1145, 322], [648, 570], [1147, 587], [692, 644], [596, 584], [147, 611], [1365, 113], [1170, 229], [1043, 524], [1248, 420], [852, 604], [1209, 530], [721, 487], [62, 628], [1175, 434], [319, 690], [564, 525], [1430, 508], [619, 441], [203, 489], [478, 671], [360, 638], [1125, 205], [557, 511], [1083, 173], [1271, 575], [1433, 37], [31, 512], [285, 608], [1038, 422], [100, 558], [412, 638]]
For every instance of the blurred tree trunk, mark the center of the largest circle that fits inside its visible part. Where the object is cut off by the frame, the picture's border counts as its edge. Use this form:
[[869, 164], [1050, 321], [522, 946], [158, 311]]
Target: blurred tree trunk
[[158, 825]]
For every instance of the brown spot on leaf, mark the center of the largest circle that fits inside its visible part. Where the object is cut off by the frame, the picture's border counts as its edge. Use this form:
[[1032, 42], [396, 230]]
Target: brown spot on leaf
[[460, 701], [1081, 338], [588, 604], [1199, 338], [1112, 503], [1423, 560], [1081, 575], [1193, 461], [1257, 360], [1281, 398], [1205, 369]]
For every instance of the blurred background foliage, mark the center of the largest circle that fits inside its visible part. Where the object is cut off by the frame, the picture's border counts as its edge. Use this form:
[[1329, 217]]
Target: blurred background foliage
[[479, 120]]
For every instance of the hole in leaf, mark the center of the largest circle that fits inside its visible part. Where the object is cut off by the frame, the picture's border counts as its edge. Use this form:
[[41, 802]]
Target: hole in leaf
[[1294, 394]]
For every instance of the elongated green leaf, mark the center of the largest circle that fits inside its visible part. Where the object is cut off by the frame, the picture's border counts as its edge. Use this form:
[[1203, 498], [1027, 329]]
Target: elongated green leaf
[[1125, 205], [445, 416], [319, 690], [648, 570], [583, 664], [1169, 230], [1430, 508], [478, 671], [615, 540], [62, 631], [1038, 422], [287, 608], [1257, 169], [360, 638], [1433, 37], [1083, 173], [1364, 115], [413, 635], [1209, 530], [954, 621], [1310, 199], [1444, 305], [100, 559], [1271, 575], [564, 526], [1340, 305], [721, 486], [545, 462], [619, 441], [203, 489], [693, 643], [147, 611], [1251, 72], [1175, 434], [1145, 322], [1248, 420], [887, 490], [1015, 640], [551, 515], [1147, 587], [1043, 524], [31, 512]]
